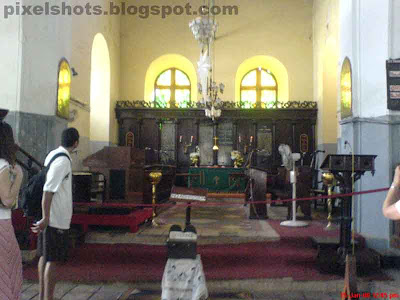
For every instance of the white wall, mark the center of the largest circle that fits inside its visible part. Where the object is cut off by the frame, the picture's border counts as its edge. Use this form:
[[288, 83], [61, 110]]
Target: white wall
[[369, 36], [10, 47], [45, 40], [395, 29], [373, 53], [32, 47], [84, 29]]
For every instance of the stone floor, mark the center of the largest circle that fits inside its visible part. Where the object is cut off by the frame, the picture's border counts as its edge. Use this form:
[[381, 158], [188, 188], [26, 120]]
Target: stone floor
[[267, 289], [234, 227], [220, 224]]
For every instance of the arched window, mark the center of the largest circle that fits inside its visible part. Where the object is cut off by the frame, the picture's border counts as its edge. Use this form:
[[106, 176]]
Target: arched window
[[345, 90], [172, 89], [258, 89], [64, 89]]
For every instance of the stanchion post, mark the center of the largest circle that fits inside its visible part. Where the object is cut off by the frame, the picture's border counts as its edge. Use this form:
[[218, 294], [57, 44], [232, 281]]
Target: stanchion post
[[329, 180], [350, 278], [155, 178]]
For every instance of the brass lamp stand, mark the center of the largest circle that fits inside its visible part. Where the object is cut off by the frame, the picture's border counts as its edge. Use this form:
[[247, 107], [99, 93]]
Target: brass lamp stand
[[155, 178], [329, 180]]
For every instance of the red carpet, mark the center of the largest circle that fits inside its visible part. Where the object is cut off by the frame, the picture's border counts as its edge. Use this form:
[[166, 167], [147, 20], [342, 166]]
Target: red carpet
[[131, 262]]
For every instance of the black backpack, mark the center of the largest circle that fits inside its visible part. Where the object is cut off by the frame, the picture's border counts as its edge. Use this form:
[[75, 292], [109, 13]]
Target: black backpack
[[32, 193]]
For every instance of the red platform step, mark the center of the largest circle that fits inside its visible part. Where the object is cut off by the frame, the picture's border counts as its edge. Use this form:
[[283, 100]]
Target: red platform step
[[132, 220]]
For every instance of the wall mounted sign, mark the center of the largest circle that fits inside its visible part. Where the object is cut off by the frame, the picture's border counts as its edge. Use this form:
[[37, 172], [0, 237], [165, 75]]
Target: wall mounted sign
[[129, 139], [303, 143], [393, 83]]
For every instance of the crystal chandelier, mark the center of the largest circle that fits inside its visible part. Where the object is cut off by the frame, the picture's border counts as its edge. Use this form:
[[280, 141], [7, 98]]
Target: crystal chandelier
[[204, 29], [211, 100]]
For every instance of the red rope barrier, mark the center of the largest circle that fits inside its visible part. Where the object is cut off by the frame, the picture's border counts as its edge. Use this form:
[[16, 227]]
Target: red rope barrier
[[215, 204]]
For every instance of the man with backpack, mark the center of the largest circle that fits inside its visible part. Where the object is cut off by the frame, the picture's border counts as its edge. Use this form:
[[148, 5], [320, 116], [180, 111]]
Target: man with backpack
[[53, 227]]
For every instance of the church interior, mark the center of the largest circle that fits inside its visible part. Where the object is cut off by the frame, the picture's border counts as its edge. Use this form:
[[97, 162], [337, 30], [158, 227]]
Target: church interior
[[189, 111]]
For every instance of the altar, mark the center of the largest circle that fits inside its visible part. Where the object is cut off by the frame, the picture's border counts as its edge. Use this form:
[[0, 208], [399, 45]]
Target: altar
[[173, 134], [218, 179]]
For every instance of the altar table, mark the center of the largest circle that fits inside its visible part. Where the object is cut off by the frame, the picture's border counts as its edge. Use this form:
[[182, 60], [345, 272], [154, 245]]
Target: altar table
[[218, 179]]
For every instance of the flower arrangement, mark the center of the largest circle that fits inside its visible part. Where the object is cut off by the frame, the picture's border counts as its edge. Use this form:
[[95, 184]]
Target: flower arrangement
[[237, 158], [195, 156]]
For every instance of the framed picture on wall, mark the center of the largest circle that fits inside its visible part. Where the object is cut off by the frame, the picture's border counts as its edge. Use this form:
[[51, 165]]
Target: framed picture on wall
[[393, 84]]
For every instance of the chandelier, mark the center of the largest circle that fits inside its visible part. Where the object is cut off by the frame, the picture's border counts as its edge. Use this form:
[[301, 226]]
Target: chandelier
[[204, 29], [210, 100]]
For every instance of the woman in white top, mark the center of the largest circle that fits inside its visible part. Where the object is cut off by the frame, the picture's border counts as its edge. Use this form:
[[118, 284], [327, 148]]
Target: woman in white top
[[10, 183], [391, 205]]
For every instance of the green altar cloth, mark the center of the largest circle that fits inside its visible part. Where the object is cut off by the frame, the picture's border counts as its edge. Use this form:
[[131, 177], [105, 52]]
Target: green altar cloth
[[218, 179]]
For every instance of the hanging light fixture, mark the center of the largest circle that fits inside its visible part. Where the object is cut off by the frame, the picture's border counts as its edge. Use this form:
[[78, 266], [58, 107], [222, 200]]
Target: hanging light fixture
[[204, 29]]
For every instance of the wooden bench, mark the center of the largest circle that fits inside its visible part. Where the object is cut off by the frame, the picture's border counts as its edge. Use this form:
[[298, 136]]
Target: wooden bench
[[132, 220]]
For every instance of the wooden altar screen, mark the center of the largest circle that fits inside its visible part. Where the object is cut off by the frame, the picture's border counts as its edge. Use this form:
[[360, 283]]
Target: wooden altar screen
[[173, 133]]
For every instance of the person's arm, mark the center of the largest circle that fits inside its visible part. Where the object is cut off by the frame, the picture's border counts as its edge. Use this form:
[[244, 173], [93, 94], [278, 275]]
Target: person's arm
[[54, 178], [390, 209], [46, 204], [9, 190]]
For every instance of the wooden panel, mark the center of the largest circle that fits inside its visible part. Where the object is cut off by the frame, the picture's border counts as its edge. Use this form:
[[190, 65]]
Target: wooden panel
[[225, 143], [206, 145], [149, 134], [134, 127], [283, 126], [136, 179], [303, 133], [168, 143], [264, 158], [186, 129], [284, 135]]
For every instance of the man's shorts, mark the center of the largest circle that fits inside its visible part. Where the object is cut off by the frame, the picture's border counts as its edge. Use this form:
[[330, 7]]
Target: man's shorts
[[53, 244]]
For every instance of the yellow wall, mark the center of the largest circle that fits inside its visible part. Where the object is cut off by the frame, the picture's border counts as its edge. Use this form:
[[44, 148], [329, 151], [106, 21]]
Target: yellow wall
[[100, 90], [84, 29], [266, 62], [163, 63], [278, 29], [326, 80]]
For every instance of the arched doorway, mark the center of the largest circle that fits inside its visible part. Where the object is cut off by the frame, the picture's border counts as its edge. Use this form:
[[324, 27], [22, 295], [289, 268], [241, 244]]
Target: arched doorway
[[99, 94]]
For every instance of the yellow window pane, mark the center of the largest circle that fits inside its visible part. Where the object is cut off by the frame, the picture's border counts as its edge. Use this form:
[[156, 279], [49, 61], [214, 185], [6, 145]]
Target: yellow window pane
[[250, 79], [181, 78], [268, 99], [64, 90], [248, 99], [163, 97], [267, 79], [182, 98], [164, 78], [65, 94], [345, 89], [60, 78]]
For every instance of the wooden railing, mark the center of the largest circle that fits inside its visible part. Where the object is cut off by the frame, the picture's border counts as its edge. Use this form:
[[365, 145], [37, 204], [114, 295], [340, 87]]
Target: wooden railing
[[28, 166]]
